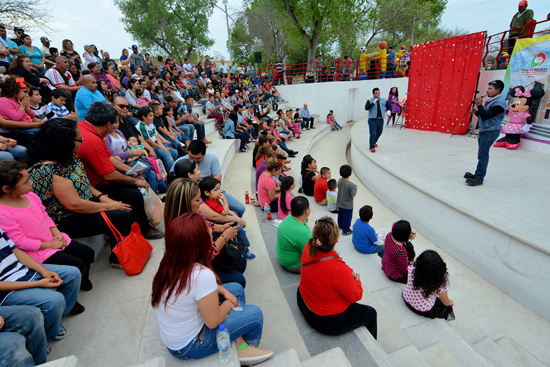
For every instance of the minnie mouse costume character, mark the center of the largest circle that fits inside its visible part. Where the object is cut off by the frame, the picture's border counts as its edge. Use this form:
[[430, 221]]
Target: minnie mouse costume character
[[519, 113]]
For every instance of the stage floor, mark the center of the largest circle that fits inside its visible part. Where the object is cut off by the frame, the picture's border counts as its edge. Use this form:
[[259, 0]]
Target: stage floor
[[515, 195]]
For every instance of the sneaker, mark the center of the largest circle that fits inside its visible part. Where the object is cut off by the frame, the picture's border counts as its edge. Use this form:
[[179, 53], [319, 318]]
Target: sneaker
[[242, 150], [86, 285], [154, 234], [249, 255], [469, 175], [77, 309], [61, 333], [253, 355], [48, 349], [376, 145], [347, 233], [373, 150], [473, 182]]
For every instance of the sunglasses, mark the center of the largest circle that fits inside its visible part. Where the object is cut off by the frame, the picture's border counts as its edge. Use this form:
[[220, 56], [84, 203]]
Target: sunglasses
[[123, 106]]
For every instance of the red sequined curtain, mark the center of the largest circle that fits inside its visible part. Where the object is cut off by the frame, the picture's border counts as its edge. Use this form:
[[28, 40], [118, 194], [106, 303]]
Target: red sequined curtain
[[442, 83]]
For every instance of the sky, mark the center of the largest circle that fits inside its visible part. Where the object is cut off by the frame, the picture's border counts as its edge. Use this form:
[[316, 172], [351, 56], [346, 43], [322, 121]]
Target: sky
[[98, 22]]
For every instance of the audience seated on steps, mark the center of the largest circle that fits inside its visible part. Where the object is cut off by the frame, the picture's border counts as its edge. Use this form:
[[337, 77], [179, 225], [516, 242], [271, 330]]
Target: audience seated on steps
[[59, 179], [310, 174], [398, 251], [148, 131], [329, 288], [267, 186], [183, 196], [364, 237], [209, 165], [426, 290], [286, 185], [22, 336], [293, 234], [320, 187], [25, 221], [187, 301]]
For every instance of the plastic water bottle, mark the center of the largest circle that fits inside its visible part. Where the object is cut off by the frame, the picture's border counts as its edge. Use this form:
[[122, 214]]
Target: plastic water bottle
[[267, 209], [246, 198], [224, 342]]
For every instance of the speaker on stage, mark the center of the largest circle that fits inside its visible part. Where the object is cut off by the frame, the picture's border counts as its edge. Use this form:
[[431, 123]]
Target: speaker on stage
[[258, 57]]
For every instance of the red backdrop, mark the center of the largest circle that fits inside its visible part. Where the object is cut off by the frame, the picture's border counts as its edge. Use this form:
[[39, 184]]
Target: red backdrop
[[442, 82]]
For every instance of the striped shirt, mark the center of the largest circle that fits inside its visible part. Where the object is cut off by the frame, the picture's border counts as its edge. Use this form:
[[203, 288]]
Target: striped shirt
[[57, 80], [395, 260], [59, 111], [11, 270]]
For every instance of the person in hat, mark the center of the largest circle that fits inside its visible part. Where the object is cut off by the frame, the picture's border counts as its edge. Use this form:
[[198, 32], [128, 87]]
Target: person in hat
[[136, 58], [10, 46], [45, 48], [18, 31], [519, 19]]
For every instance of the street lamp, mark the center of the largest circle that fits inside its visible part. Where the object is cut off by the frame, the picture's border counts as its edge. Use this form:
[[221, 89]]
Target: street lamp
[[228, 32]]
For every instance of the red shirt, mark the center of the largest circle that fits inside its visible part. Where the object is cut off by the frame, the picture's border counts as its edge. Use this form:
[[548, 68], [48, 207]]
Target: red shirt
[[214, 205], [395, 260], [94, 154], [328, 288], [320, 189]]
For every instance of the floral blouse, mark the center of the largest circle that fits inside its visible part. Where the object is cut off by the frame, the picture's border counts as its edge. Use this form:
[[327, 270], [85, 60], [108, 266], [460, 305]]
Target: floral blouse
[[41, 175]]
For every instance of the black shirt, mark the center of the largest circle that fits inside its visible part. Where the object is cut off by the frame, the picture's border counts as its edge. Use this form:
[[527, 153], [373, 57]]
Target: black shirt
[[307, 182], [128, 129]]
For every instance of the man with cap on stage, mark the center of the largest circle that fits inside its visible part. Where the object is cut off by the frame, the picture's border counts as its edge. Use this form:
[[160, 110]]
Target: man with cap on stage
[[519, 19]]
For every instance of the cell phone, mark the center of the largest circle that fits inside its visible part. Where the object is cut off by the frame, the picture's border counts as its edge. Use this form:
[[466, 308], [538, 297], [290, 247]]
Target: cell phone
[[234, 224]]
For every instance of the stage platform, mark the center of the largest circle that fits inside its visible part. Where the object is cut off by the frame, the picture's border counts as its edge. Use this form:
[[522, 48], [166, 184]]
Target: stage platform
[[498, 229]]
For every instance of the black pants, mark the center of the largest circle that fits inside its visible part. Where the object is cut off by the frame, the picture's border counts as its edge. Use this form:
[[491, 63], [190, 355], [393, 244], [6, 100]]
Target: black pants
[[76, 254], [86, 225], [438, 311], [129, 195], [355, 316], [403, 279], [308, 122]]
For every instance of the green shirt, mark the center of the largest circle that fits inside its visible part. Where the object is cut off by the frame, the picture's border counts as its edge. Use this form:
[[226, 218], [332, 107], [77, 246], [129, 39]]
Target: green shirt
[[148, 131], [292, 237]]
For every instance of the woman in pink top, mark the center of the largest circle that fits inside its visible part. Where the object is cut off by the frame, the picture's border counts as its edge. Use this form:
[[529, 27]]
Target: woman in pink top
[[267, 188], [25, 221], [285, 196]]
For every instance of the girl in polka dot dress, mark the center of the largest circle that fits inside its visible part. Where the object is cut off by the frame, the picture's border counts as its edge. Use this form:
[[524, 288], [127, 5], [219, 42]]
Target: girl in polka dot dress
[[426, 289]]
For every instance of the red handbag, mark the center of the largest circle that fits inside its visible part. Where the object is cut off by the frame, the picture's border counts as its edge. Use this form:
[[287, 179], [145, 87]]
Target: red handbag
[[132, 251]]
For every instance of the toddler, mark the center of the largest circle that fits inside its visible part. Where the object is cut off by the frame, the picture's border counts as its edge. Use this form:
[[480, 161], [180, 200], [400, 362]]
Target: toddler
[[134, 144], [141, 100], [57, 105], [364, 237], [332, 195], [332, 121], [346, 192]]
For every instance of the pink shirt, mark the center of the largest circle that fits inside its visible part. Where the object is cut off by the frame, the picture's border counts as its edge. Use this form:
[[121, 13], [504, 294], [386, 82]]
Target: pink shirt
[[265, 183], [9, 109], [280, 214], [29, 227]]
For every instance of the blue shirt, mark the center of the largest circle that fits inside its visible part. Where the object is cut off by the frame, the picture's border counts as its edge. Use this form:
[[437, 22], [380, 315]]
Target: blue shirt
[[391, 57], [209, 166], [84, 99], [36, 55], [363, 237], [229, 129], [304, 113], [10, 45]]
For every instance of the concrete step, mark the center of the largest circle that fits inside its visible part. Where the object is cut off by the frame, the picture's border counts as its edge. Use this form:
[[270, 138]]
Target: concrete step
[[156, 362], [288, 358], [378, 354], [519, 353], [409, 356], [330, 358], [494, 353], [70, 361]]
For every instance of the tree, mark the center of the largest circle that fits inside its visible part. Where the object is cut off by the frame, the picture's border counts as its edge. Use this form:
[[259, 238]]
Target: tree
[[25, 13], [176, 27]]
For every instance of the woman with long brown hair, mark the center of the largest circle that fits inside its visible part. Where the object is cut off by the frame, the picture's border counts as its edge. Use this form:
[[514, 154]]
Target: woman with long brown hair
[[186, 297]]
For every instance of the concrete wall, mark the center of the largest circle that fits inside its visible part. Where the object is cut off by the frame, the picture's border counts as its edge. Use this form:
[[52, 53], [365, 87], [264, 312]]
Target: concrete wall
[[346, 99]]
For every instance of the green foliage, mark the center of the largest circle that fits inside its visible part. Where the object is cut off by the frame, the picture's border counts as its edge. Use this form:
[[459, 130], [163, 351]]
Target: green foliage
[[174, 27]]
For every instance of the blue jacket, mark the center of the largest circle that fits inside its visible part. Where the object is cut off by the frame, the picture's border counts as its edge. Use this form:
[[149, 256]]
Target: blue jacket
[[370, 106], [491, 114]]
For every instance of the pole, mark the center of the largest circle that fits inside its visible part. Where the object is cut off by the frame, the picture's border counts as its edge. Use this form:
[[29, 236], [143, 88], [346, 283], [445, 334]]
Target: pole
[[228, 32]]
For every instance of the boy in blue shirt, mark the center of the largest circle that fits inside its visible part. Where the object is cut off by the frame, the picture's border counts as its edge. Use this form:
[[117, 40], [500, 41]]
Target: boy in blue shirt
[[364, 236]]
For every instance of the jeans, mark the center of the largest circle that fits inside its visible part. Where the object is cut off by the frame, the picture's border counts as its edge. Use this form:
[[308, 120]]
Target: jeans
[[244, 137], [247, 323], [54, 304], [199, 128], [172, 148], [484, 141], [236, 277], [16, 153], [356, 315], [148, 174], [22, 337], [336, 125], [375, 130], [234, 204], [188, 129], [164, 156], [344, 219]]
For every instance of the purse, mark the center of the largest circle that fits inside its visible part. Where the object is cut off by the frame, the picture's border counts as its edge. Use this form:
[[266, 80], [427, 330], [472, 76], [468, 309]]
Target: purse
[[132, 251], [229, 258]]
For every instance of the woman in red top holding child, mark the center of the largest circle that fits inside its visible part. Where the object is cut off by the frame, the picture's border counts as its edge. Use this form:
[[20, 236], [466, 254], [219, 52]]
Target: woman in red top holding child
[[329, 289]]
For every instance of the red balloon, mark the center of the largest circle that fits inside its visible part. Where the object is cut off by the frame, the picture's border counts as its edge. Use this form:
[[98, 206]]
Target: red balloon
[[383, 45]]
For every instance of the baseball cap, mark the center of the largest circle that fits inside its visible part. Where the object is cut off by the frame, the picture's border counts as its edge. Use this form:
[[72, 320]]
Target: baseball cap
[[16, 29], [523, 3], [170, 99], [44, 39], [134, 47]]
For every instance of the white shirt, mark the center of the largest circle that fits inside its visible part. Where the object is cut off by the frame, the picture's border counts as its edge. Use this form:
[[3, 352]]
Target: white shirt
[[182, 320], [187, 68], [56, 79]]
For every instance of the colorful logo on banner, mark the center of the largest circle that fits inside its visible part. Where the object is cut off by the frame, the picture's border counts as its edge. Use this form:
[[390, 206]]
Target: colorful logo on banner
[[538, 60]]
